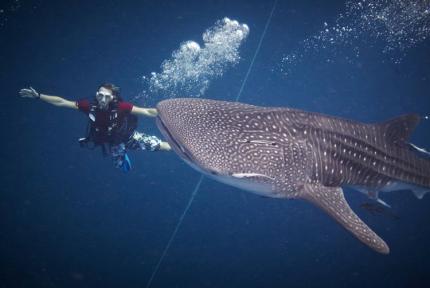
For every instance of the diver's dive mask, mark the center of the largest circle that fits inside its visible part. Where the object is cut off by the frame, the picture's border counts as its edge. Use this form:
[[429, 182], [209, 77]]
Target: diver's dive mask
[[103, 99]]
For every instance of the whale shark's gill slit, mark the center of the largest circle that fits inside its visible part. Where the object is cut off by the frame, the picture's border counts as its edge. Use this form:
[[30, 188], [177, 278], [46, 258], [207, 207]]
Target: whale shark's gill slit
[[197, 187]]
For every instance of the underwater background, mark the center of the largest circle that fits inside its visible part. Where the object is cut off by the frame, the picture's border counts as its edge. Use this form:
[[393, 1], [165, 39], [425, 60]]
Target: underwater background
[[70, 219]]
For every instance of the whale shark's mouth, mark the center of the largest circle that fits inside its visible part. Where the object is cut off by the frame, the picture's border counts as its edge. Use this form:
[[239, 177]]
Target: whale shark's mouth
[[180, 149]]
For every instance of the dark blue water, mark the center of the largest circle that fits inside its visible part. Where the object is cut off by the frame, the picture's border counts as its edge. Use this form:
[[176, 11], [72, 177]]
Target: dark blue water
[[70, 219]]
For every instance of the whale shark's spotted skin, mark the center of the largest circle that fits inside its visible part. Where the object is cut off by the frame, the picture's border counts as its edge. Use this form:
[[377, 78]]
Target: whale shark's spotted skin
[[288, 153]]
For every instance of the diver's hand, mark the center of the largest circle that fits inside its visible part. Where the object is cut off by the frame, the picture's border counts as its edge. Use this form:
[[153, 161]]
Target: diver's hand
[[29, 93]]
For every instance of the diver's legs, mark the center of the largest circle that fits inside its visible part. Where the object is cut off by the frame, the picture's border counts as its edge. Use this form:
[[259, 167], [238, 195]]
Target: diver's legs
[[120, 157], [144, 142]]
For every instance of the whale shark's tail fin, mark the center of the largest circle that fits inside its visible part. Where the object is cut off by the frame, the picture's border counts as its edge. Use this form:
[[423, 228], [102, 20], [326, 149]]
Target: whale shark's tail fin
[[333, 202]]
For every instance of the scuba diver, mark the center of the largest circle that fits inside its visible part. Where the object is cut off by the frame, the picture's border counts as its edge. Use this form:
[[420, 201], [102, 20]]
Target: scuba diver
[[112, 123]]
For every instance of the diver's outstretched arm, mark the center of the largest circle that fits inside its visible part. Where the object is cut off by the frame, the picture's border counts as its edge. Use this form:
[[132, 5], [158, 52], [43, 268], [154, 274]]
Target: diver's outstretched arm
[[54, 100], [150, 112]]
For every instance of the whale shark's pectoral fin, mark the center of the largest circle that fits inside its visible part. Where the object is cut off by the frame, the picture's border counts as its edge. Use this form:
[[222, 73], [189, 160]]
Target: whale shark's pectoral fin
[[333, 202]]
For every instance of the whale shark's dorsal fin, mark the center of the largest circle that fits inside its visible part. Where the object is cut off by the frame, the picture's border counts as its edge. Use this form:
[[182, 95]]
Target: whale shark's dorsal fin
[[398, 130], [333, 202]]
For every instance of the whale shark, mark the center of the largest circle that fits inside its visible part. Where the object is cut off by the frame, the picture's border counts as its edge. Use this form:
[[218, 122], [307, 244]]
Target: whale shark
[[288, 153]]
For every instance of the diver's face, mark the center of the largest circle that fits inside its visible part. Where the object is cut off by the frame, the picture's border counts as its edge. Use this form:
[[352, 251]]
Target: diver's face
[[104, 97]]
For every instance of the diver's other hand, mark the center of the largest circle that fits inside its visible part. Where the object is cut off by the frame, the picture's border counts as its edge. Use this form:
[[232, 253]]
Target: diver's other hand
[[29, 93]]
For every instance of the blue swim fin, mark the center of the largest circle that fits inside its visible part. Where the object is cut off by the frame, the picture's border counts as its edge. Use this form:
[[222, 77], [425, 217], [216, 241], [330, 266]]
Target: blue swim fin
[[126, 163]]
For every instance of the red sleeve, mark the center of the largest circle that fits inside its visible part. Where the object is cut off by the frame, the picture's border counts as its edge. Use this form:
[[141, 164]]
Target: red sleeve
[[125, 106], [83, 105]]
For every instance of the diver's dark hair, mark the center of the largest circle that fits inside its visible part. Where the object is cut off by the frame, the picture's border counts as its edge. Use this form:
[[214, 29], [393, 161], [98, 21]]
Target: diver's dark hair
[[116, 91]]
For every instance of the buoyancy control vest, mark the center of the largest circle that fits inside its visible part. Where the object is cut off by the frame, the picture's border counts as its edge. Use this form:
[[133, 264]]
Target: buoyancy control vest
[[119, 128]]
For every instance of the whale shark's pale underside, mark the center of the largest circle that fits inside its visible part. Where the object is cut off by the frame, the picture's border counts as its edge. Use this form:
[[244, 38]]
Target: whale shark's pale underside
[[293, 154]]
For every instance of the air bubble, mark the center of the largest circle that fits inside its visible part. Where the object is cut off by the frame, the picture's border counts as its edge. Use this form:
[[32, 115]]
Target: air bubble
[[397, 25], [191, 68]]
